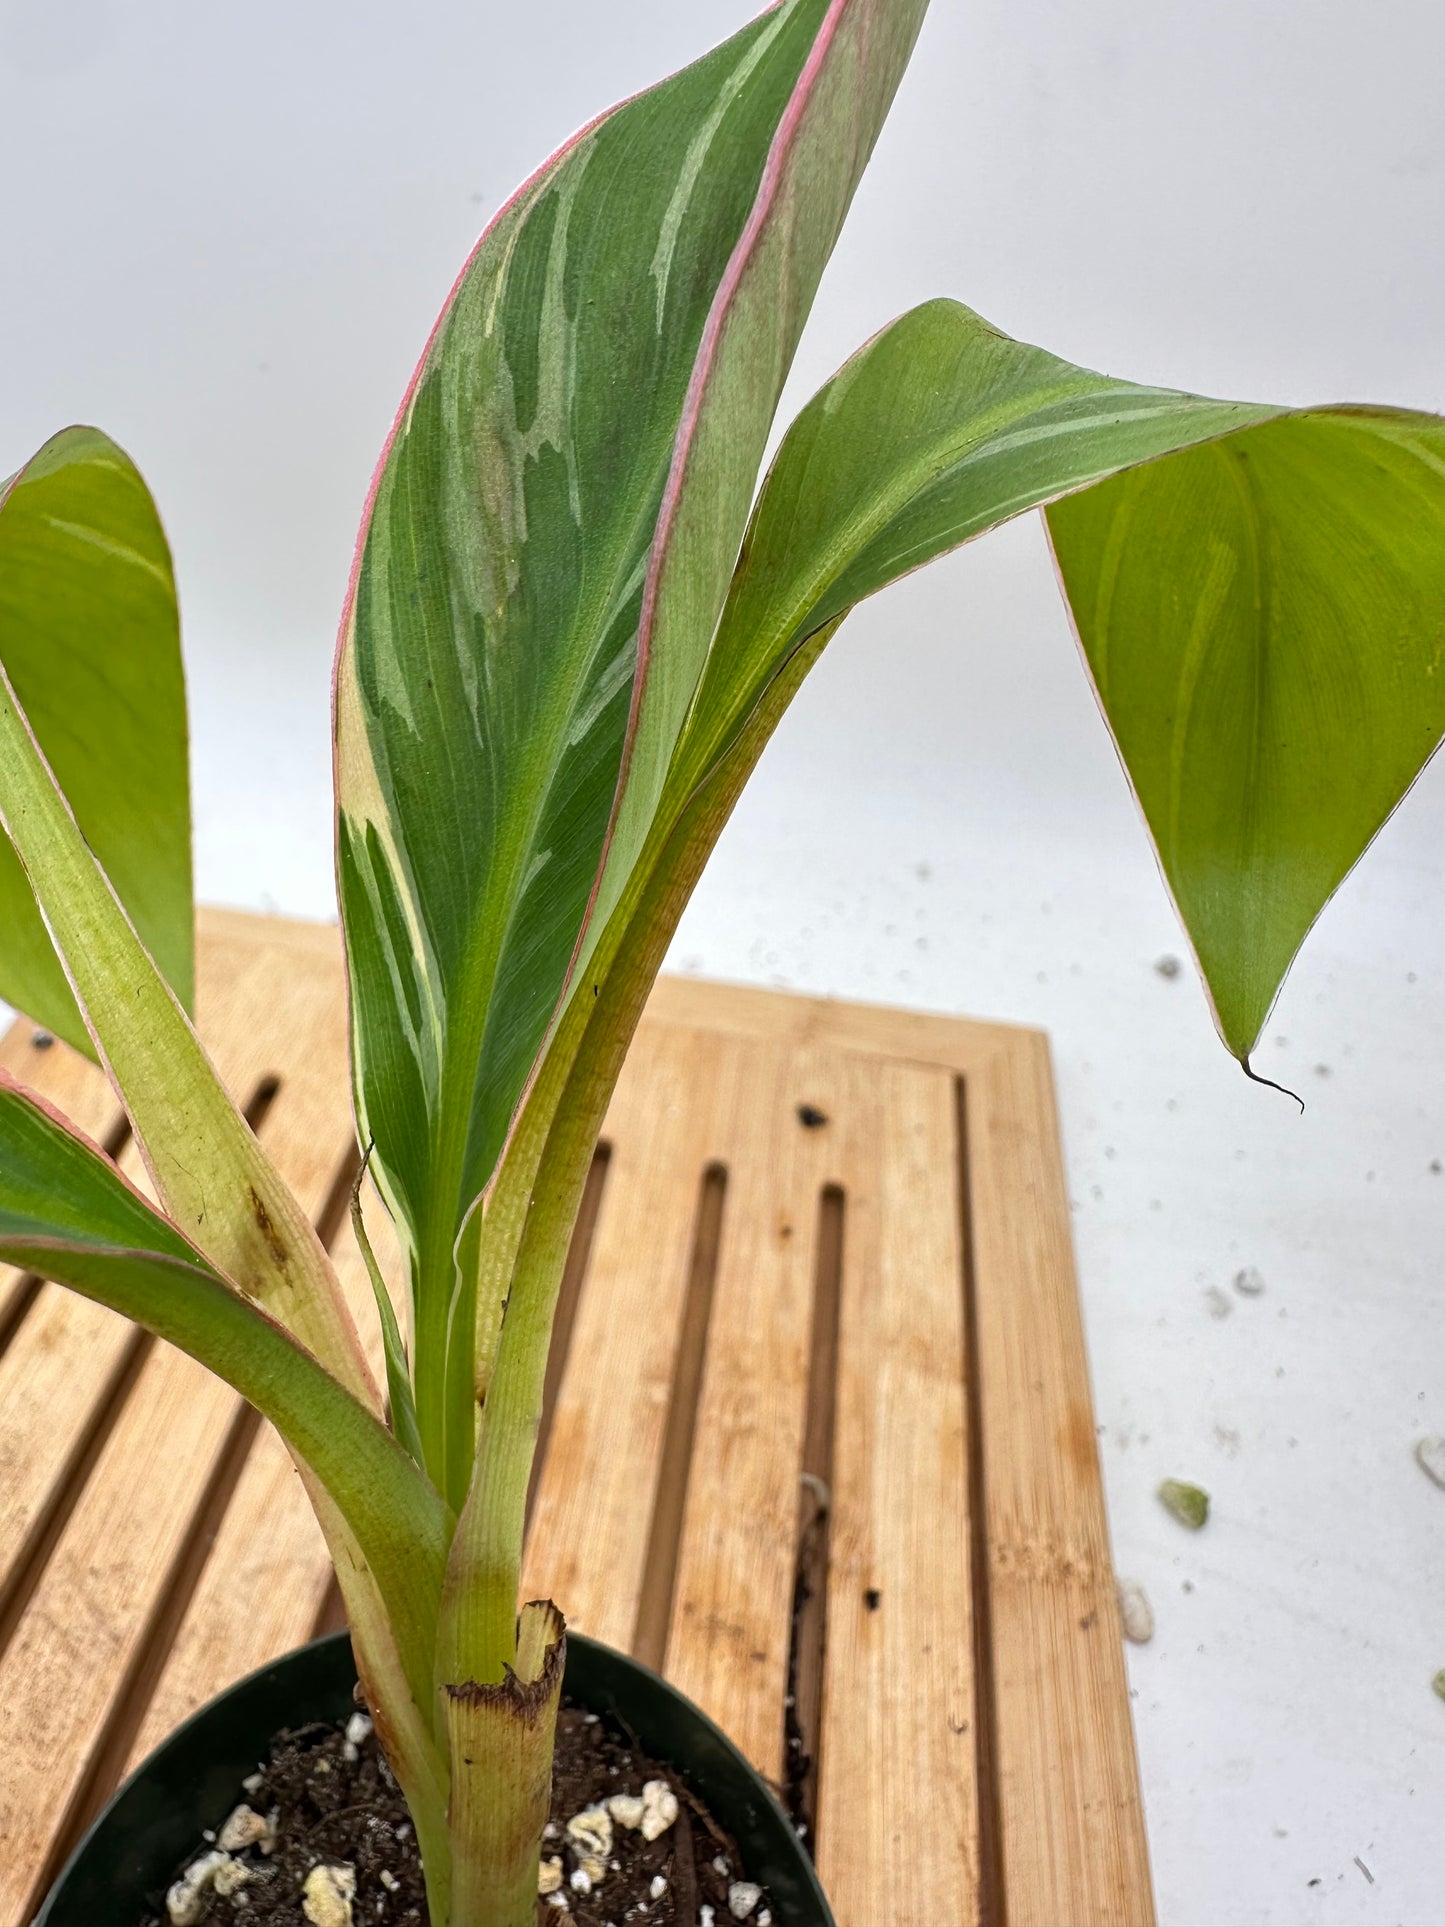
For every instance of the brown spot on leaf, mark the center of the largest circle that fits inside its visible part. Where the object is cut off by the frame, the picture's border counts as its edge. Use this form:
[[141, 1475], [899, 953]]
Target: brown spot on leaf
[[274, 1242]]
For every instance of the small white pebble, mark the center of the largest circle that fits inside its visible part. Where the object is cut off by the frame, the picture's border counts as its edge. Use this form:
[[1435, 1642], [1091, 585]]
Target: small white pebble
[[721, 1866], [743, 1896], [765, 1919], [659, 1809], [560, 1901], [1136, 1615], [183, 1905], [209, 1834], [590, 1831], [626, 1810], [185, 1898], [358, 1728], [243, 1827], [591, 1719], [549, 1875], [581, 1881], [705, 1916], [231, 1878], [658, 1887], [253, 1782], [388, 1880], [268, 1838], [326, 1895], [551, 1830]]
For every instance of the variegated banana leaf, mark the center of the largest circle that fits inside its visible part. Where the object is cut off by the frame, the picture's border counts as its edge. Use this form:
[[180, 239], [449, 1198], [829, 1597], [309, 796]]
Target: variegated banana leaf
[[562, 500]]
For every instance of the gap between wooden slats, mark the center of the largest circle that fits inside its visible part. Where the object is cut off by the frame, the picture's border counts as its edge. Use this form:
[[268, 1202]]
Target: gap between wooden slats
[[803, 1707]]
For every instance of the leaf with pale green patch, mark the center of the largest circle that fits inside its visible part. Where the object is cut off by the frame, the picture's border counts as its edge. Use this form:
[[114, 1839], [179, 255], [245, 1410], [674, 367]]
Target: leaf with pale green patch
[[90, 639], [1264, 620]]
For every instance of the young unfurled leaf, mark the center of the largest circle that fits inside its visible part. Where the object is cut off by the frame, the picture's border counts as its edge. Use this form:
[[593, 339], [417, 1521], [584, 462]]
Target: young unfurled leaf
[[90, 639]]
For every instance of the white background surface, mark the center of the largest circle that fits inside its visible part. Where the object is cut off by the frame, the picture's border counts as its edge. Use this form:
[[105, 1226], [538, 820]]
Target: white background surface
[[225, 232]]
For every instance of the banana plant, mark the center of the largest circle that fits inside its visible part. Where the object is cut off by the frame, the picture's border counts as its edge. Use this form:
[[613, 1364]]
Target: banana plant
[[574, 619]]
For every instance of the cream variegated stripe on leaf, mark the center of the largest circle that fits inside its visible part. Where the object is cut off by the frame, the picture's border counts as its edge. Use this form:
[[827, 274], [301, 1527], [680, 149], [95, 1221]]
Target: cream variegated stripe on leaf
[[818, 157], [210, 1171], [485, 670]]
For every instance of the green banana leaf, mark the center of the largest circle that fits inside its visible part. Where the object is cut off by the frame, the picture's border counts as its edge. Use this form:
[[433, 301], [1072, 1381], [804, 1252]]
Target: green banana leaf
[[1264, 620], [1260, 595], [90, 639]]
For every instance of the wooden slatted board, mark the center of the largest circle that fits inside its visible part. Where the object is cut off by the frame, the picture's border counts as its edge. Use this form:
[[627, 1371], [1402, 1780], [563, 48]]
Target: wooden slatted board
[[819, 1445]]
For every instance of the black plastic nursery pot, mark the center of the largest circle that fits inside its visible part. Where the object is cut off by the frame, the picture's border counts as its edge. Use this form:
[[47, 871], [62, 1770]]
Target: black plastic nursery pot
[[190, 1782]]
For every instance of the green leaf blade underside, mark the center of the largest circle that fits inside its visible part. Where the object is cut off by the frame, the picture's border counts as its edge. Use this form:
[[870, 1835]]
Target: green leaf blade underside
[[90, 638], [485, 671], [67, 1214], [937, 430], [1264, 621]]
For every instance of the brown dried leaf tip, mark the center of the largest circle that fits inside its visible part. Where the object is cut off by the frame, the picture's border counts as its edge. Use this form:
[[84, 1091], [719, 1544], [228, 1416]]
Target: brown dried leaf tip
[[529, 1689]]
